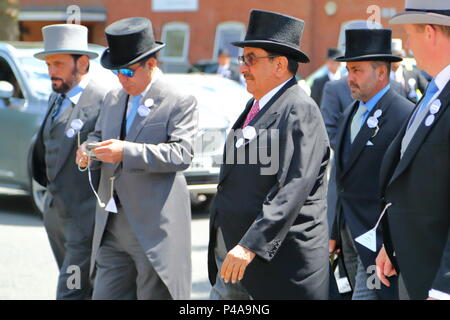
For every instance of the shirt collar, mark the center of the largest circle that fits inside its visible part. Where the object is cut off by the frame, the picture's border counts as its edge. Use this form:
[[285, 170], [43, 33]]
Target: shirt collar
[[269, 95], [443, 78], [374, 100], [334, 76], [75, 93]]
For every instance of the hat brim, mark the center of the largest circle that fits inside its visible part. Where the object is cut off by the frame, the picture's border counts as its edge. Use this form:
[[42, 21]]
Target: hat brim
[[370, 57], [106, 62], [417, 17], [43, 54], [289, 51]]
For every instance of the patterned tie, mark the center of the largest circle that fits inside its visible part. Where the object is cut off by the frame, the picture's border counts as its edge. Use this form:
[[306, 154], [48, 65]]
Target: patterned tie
[[357, 121], [133, 111], [253, 112], [430, 92], [57, 108]]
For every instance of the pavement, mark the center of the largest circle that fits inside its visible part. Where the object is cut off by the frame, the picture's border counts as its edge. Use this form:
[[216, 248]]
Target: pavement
[[28, 270]]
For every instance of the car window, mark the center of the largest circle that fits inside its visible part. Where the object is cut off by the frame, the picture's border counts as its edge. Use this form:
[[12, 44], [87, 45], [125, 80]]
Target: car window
[[6, 74], [37, 74]]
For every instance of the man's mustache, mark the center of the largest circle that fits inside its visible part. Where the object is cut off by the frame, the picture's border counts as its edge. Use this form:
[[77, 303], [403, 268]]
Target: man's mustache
[[248, 76], [353, 84], [56, 78]]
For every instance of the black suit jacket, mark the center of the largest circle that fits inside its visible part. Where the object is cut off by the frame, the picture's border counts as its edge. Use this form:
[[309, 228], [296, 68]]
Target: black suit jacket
[[358, 168], [280, 216], [317, 88], [417, 225], [336, 97]]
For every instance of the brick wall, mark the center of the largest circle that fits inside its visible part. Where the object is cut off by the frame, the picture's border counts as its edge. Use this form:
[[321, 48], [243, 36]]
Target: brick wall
[[321, 30]]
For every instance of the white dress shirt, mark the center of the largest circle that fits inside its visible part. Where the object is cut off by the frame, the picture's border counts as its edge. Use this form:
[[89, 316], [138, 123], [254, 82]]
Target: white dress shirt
[[269, 95]]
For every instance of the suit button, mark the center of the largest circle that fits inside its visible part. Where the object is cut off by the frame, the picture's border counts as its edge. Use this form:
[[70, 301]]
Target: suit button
[[219, 188], [342, 190]]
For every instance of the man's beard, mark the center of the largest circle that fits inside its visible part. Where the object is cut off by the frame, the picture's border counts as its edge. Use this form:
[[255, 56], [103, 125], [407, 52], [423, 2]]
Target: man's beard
[[66, 85], [361, 94], [355, 95]]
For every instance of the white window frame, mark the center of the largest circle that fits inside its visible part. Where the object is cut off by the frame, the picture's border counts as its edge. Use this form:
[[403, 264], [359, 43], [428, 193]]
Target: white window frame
[[176, 26], [233, 25]]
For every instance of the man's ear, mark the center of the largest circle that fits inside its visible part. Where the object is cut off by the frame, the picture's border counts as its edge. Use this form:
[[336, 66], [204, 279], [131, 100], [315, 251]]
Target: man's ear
[[282, 64], [82, 64], [152, 63]]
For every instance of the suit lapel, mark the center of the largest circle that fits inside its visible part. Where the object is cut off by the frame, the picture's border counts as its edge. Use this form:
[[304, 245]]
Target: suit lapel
[[391, 158], [78, 112], [262, 120], [115, 116], [366, 133], [51, 105], [229, 143], [421, 133], [341, 134], [139, 121], [114, 127]]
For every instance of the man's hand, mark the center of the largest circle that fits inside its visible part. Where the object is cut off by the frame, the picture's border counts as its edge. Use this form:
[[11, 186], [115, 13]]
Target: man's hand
[[82, 158], [110, 151], [384, 267], [332, 247], [235, 264]]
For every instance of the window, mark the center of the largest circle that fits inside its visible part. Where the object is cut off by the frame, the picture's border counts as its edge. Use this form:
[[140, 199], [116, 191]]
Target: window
[[226, 33], [176, 37]]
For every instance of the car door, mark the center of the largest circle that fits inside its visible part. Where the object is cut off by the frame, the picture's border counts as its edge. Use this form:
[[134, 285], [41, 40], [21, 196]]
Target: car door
[[17, 127]]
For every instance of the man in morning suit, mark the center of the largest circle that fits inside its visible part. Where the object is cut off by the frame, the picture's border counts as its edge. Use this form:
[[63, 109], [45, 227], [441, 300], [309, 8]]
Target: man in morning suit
[[415, 174], [142, 238], [368, 127], [268, 226], [70, 205]]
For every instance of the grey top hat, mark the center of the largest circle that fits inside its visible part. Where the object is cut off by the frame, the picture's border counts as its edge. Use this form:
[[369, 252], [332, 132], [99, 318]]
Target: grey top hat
[[424, 12], [65, 39]]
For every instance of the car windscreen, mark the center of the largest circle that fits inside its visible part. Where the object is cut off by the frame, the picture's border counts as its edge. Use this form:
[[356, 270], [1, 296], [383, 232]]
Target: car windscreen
[[36, 74]]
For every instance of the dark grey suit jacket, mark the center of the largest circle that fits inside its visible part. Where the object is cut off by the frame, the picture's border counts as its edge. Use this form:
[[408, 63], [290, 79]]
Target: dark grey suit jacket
[[77, 200], [358, 169], [149, 181], [317, 88]]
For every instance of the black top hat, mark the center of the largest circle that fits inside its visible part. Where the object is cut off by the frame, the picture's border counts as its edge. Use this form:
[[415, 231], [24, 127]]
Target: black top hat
[[276, 33], [130, 40], [333, 53], [368, 45]]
